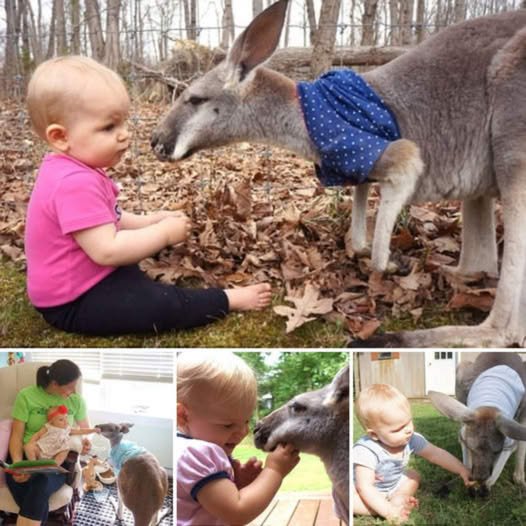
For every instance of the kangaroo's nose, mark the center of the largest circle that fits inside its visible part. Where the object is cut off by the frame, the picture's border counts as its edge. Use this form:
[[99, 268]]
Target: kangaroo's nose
[[154, 140], [159, 147]]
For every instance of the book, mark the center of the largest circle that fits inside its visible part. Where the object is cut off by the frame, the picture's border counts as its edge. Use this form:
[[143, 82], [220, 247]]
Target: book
[[29, 467]]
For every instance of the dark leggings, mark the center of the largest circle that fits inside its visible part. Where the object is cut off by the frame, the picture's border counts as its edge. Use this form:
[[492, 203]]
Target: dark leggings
[[128, 301], [32, 496]]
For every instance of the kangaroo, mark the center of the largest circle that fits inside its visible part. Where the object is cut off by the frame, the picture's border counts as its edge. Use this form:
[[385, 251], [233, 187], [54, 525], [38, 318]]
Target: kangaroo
[[491, 396], [142, 483], [458, 101], [316, 422]]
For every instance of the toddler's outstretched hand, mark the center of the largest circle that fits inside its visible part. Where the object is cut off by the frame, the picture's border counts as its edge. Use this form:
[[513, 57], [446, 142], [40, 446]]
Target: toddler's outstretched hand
[[465, 473], [283, 459], [245, 474], [177, 227]]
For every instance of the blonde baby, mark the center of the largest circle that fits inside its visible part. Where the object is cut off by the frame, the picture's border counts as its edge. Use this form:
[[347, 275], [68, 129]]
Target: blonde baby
[[216, 398]]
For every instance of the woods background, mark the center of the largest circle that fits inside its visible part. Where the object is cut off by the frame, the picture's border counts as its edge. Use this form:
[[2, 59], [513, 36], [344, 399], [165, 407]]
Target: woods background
[[139, 38]]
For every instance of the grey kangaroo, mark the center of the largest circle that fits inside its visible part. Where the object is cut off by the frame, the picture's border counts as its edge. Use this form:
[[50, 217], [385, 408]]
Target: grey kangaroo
[[458, 101], [316, 422], [142, 483], [490, 400]]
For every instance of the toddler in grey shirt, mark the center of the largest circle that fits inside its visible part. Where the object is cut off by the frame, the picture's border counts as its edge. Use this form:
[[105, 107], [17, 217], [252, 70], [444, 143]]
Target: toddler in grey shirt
[[382, 483]]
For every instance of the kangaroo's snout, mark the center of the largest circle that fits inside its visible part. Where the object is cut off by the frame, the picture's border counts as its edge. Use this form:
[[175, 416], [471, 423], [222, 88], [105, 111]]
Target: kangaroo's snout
[[260, 435], [162, 147]]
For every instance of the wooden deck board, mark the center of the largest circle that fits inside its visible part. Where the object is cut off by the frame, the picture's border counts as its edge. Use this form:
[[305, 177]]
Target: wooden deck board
[[303, 509], [305, 513], [326, 515], [281, 513]]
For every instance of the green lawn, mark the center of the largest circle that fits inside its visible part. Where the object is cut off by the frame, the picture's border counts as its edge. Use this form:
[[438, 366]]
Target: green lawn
[[308, 475], [22, 326], [506, 505]]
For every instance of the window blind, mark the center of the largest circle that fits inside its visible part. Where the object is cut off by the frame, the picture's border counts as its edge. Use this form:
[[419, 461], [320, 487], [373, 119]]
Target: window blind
[[154, 365]]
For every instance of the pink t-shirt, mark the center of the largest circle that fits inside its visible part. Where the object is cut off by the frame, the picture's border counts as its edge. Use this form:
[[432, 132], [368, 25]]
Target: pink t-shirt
[[198, 463], [68, 196]]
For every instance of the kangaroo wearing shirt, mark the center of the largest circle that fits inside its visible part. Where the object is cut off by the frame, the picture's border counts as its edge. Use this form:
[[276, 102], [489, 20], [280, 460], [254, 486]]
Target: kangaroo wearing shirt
[[141, 481], [490, 406]]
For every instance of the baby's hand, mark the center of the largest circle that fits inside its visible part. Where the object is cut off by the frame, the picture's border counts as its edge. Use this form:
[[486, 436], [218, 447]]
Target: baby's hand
[[163, 214], [464, 474], [245, 474], [177, 227], [283, 459]]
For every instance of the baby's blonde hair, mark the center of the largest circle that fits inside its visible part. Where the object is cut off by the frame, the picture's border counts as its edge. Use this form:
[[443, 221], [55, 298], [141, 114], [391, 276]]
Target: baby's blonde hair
[[374, 401], [224, 377], [55, 87]]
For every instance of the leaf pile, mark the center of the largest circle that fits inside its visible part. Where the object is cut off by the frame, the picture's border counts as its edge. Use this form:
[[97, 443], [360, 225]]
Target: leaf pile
[[261, 215]]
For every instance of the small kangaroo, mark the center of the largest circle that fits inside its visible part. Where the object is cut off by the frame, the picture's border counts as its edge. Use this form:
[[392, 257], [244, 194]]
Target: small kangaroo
[[142, 483], [316, 422], [458, 100], [491, 406]]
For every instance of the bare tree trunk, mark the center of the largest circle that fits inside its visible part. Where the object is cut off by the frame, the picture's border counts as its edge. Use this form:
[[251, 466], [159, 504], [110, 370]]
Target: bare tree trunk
[[26, 47], [311, 15], [75, 26], [139, 32], [368, 22], [287, 26], [193, 19], [406, 21], [394, 22], [420, 11], [438, 16], [227, 33], [325, 37], [60, 28], [112, 53], [257, 7], [460, 10], [94, 22], [33, 40], [352, 37]]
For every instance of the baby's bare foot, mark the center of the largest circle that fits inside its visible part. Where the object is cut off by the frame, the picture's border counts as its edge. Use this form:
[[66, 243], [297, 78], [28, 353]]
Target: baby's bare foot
[[253, 297]]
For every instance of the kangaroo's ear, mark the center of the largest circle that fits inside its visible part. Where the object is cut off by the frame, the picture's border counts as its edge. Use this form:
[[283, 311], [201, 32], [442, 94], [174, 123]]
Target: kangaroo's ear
[[338, 392], [257, 42], [125, 427], [510, 428], [450, 407]]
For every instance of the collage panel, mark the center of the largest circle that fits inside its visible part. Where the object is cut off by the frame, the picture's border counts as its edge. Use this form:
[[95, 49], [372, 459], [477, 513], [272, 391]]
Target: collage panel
[[262, 438], [438, 434], [86, 437]]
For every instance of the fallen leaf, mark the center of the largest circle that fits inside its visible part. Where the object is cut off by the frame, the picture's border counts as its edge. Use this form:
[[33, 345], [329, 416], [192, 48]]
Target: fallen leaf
[[304, 307]]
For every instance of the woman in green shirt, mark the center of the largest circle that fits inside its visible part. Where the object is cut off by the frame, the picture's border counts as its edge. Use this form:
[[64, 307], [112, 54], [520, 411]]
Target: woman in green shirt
[[55, 385]]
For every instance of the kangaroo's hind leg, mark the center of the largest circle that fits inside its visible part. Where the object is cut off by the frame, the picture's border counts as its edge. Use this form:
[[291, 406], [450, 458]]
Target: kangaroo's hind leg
[[507, 82], [479, 244]]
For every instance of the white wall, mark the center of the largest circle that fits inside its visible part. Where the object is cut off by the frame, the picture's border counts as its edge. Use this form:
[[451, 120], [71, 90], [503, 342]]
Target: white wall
[[154, 434]]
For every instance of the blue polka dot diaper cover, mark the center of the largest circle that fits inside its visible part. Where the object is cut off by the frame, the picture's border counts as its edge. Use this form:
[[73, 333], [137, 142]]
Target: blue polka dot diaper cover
[[348, 123]]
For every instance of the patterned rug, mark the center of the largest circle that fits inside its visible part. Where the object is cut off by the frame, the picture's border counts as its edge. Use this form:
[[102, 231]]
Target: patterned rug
[[98, 509]]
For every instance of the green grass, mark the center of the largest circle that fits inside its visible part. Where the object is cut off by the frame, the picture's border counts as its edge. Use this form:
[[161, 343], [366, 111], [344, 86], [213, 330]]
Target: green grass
[[22, 326], [506, 505], [308, 475]]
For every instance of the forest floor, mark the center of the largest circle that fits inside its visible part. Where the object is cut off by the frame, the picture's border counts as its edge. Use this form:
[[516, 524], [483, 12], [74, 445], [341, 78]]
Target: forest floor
[[258, 214]]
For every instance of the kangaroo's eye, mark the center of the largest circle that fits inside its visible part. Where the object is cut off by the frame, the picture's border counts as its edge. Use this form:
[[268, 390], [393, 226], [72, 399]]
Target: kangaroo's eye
[[194, 100], [296, 407]]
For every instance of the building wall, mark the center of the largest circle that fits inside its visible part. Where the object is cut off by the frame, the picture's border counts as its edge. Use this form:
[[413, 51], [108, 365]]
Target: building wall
[[405, 371]]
